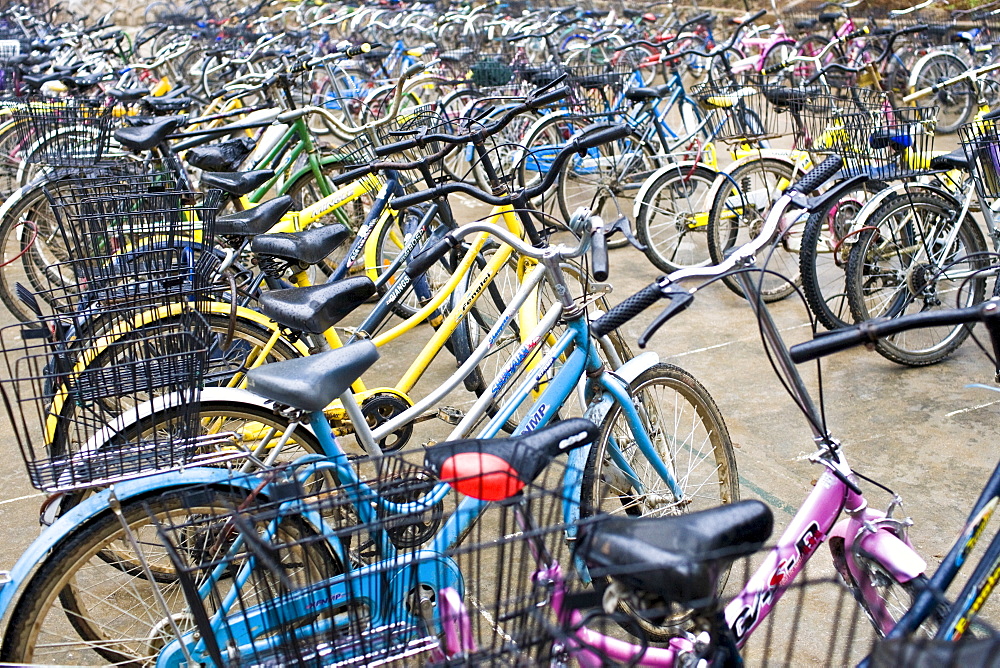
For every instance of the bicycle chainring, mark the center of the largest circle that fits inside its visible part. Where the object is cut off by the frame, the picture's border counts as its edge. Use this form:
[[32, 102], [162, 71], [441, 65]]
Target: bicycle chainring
[[381, 408]]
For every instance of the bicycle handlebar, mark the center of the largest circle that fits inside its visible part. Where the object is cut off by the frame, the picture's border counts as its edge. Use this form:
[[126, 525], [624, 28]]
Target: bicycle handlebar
[[730, 43], [886, 52], [576, 145], [872, 330], [541, 98]]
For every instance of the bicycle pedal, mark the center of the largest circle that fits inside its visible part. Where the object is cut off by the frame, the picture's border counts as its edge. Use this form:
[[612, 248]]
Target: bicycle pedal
[[450, 414]]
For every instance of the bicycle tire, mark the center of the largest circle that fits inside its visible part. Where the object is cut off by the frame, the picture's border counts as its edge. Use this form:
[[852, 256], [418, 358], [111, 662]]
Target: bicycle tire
[[671, 220], [740, 206], [886, 278], [707, 450], [37, 250], [57, 592], [956, 102], [823, 258]]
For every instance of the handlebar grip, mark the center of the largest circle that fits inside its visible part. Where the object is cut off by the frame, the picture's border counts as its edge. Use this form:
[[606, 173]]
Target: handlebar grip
[[627, 310], [854, 34], [832, 342], [818, 175], [351, 175], [414, 70], [549, 97], [599, 256], [355, 51], [753, 17], [420, 263], [599, 137]]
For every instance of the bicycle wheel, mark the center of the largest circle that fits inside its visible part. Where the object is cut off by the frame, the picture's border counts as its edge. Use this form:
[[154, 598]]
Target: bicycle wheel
[[689, 435], [777, 54], [10, 159], [823, 258], [607, 178], [894, 598], [955, 102], [737, 214], [538, 149], [672, 218], [80, 607], [30, 244], [912, 260], [809, 46]]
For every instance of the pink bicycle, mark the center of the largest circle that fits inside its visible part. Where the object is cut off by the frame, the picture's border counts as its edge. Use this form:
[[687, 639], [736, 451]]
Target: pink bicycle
[[655, 567]]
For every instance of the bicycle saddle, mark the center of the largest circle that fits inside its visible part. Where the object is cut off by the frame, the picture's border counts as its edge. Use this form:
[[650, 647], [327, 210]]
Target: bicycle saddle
[[128, 94], [679, 557], [641, 94], [829, 17], [308, 246], [312, 383], [954, 160], [38, 80], [498, 468], [806, 24], [237, 183], [316, 308], [253, 221], [793, 98], [145, 137]]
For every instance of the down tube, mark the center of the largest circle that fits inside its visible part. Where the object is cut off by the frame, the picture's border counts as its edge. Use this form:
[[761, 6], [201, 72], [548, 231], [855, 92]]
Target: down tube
[[804, 534]]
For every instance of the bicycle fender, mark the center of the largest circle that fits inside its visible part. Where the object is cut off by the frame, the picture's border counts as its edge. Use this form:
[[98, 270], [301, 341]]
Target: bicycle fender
[[596, 413], [640, 197], [893, 553], [881, 196], [52, 536]]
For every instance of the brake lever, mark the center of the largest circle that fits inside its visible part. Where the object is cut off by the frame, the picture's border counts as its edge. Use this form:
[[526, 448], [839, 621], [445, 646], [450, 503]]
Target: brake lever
[[679, 301], [622, 225]]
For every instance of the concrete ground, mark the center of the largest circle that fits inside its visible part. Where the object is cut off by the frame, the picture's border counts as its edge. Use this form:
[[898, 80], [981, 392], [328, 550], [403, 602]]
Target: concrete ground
[[924, 433]]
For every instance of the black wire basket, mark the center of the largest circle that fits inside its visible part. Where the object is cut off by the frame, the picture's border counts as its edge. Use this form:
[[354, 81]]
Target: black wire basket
[[63, 132], [981, 143], [77, 393], [368, 591], [815, 113], [115, 227], [747, 115], [887, 145]]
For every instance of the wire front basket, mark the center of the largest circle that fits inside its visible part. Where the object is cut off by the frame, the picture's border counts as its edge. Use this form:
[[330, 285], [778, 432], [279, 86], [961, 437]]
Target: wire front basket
[[79, 392], [816, 114], [122, 231], [749, 116], [281, 568], [887, 146], [369, 585], [981, 143], [63, 132]]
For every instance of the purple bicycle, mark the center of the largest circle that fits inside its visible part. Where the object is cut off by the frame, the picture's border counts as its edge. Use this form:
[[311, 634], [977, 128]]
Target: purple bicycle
[[653, 566]]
